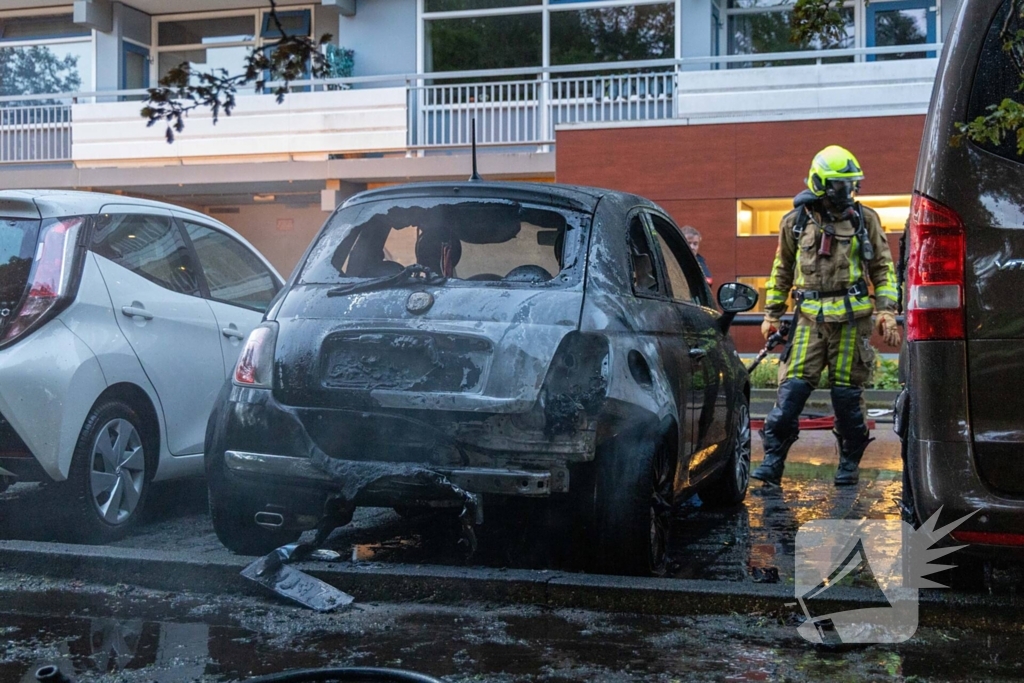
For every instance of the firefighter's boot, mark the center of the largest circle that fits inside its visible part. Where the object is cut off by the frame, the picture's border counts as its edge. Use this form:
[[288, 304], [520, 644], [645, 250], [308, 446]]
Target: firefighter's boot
[[851, 434], [781, 429]]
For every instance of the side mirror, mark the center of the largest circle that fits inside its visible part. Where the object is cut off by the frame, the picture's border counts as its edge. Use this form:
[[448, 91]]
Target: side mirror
[[734, 297]]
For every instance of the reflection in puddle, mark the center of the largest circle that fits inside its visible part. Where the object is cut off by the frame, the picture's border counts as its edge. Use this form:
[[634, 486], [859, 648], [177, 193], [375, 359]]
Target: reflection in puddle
[[85, 648]]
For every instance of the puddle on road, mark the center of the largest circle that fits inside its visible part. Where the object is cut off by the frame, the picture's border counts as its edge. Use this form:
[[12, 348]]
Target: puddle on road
[[468, 643]]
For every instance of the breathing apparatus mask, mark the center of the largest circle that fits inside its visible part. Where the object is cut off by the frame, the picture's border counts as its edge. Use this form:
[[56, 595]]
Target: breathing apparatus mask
[[840, 194]]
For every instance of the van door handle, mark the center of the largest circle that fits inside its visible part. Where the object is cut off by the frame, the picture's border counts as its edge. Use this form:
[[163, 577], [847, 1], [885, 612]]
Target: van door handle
[[697, 354], [232, 333], [136, 311]]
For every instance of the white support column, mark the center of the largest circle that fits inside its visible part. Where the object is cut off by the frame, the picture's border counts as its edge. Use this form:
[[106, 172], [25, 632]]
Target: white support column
[[694, 24]]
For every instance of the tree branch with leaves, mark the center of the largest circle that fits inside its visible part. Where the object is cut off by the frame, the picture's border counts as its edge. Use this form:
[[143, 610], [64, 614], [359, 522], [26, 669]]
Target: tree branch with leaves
[[820, 21], [183, 89]]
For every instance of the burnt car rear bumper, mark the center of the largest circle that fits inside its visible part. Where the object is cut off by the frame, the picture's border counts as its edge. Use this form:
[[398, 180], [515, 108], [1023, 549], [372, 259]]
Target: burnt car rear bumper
[[502, 481], [294, 459]]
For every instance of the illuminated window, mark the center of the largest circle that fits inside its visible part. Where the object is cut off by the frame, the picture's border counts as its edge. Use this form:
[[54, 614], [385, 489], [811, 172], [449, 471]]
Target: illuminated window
[[762, 216]]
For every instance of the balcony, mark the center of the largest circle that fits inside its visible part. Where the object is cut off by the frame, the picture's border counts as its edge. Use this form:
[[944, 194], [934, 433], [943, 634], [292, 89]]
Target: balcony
[[513, 109]]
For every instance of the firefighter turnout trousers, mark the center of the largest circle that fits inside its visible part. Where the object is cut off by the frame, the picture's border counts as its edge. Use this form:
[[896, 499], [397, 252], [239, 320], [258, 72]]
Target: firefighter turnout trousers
[[842, 347]]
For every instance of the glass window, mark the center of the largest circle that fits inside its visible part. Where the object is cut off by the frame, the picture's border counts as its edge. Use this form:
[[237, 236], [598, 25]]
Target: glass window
[[46, 68], [478, 241], [613, 34], [42, 27], [762, 216], [135, 72], [493, 42], [231, 59], [235, 29], [910, 22], [998, 76], [295, 23], [682, 270], [767, 31], [458, 5], [147, 245], [233, 273]]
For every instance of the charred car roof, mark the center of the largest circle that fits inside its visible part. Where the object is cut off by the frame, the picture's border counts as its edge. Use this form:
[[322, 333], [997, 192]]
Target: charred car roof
[[566, 196]]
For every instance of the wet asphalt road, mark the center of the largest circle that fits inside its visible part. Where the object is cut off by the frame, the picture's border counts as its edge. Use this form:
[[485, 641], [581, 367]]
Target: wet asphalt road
[[125, 633], [743, 544], [129, 635]]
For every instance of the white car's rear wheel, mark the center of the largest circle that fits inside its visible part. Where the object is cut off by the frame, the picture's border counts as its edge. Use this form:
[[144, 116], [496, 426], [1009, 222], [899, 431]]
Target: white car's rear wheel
[[110, 472], [118, 471]]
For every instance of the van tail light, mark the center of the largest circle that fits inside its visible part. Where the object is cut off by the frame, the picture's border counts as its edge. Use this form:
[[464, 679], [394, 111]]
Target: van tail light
[[255, 367], [50, 282], [935, 272]]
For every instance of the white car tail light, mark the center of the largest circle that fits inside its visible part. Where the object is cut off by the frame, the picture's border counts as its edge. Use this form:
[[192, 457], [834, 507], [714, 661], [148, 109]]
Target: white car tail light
[[50, 282]]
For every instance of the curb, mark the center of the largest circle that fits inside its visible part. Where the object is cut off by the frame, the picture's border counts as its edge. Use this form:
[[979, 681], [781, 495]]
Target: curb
[[376, 582]]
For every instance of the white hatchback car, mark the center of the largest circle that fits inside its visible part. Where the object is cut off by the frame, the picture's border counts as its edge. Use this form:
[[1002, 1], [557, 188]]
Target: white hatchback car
[[120, 320]]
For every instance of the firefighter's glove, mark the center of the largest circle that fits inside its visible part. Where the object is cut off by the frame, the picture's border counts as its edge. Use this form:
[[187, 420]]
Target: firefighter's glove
[[887, 326], [769, 326]]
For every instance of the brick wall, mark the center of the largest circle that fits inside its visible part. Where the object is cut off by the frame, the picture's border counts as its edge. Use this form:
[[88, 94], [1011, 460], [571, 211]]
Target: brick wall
[[698, 172]]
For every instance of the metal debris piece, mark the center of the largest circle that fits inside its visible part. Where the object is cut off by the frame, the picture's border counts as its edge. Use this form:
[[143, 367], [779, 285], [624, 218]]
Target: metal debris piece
[[271, 572]]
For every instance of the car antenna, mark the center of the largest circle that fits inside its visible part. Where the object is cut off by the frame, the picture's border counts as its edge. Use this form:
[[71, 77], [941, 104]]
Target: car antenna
[[476, 176]]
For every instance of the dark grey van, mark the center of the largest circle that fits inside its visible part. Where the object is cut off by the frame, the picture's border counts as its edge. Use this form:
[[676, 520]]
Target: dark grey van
[[963, 410]]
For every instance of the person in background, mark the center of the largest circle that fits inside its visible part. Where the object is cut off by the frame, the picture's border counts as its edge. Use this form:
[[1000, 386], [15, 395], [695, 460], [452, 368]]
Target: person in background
[[692, 236]]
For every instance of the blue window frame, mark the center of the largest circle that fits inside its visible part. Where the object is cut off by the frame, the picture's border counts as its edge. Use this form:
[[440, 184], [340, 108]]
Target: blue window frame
[[903, 22], [131, 52]]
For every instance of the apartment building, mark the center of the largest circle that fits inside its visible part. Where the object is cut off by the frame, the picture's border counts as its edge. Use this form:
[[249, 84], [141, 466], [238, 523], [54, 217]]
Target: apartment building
[[702, 105]]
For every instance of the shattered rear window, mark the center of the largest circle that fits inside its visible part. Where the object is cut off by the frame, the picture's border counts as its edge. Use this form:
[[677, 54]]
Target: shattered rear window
[[481, 241]]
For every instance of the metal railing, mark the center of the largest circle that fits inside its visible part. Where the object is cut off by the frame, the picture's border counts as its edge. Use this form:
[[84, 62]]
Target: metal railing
[[512, 107], [35, 132]]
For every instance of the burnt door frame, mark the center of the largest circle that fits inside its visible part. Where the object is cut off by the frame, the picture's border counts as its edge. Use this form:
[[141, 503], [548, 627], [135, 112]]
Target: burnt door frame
[[707, 395]]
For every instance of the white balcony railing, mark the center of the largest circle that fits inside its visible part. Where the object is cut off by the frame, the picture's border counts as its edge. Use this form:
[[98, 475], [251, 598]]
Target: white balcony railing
[[35, 132], [512, 107]]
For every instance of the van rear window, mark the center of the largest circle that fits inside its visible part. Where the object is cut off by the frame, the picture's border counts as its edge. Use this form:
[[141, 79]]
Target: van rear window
[[1000, 73], [17, 247]]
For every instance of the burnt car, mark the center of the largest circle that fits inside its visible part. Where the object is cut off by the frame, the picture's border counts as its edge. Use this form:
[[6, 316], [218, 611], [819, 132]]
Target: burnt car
[[484, 340]]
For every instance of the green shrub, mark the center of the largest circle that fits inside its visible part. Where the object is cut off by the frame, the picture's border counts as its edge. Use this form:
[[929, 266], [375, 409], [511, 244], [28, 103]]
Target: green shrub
[[766, 375]]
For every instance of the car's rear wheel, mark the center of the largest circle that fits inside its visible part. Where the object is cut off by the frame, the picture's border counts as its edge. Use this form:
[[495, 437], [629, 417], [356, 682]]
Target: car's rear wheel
[[110, 472], [629, 500], [731, 487]]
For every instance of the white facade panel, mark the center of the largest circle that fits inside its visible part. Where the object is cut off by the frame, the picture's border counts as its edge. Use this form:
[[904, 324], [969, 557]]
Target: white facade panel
[[804, 92], [333, 122]]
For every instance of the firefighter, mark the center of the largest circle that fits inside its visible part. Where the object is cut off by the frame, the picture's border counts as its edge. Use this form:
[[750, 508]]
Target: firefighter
[[830, 248]]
